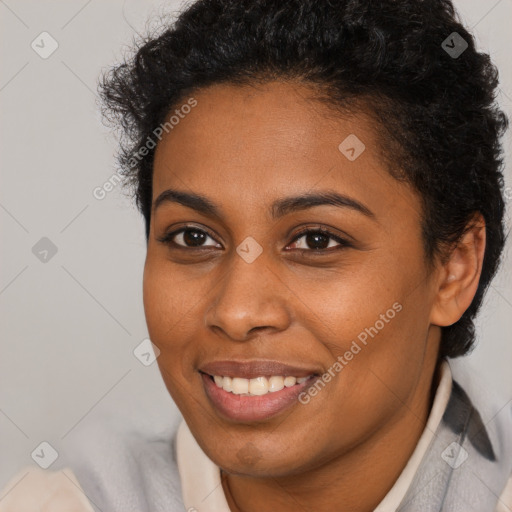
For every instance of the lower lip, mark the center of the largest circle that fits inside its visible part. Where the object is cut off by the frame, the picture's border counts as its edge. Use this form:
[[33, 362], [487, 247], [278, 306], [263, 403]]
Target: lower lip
[[252, 408]]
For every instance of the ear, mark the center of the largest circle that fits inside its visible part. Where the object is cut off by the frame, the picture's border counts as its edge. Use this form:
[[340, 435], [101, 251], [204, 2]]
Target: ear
[[460, 275]]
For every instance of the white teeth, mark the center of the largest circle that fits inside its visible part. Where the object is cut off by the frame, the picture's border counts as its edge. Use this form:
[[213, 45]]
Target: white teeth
[[227, 384], [258, 386], [289, 381], [240, 386], [275, 383]]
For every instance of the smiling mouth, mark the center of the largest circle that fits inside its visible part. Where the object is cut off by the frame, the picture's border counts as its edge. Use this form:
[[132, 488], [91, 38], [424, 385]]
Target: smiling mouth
[[258, 399], [258, 386]]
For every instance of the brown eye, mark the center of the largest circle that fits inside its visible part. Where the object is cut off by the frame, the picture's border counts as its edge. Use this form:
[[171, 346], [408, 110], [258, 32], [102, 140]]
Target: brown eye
[[318, 240], [188, 237], [193, 237]]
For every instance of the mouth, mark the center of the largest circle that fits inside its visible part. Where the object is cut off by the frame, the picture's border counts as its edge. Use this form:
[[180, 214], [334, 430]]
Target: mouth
[[254, 391]]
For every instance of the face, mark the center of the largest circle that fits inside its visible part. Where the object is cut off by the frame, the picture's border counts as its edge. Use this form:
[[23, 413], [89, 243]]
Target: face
[[300, 258]]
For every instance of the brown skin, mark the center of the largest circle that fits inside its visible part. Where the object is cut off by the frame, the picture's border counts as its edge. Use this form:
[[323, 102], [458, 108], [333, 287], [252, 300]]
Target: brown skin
[[243, 148]]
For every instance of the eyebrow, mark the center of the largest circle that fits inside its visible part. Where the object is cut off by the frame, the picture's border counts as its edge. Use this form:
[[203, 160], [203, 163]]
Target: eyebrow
[[278, 209]]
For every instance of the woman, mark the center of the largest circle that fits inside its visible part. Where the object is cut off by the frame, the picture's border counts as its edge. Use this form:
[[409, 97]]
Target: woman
[[322, 193]]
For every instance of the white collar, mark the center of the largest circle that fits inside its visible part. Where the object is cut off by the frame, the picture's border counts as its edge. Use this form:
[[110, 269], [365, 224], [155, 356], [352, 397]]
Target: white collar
[[200, 477]]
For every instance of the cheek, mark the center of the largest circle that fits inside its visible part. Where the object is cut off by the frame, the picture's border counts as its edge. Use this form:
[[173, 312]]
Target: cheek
[[158, 300], [174, 308], [376, 320], [168, 306], [169, 300], [350, 302]]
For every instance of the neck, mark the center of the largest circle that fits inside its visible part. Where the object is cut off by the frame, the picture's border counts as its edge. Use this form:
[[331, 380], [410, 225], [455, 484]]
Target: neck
[[359, 479]]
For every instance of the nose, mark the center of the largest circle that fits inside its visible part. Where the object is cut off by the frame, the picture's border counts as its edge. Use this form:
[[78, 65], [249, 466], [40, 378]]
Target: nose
[[250, 299]]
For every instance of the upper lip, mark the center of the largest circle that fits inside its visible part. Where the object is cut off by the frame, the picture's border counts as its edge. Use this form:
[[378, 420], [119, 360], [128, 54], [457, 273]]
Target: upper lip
[[254, 368]]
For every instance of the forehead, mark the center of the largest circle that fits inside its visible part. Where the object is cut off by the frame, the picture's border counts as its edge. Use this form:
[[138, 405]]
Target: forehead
[[248, 144]]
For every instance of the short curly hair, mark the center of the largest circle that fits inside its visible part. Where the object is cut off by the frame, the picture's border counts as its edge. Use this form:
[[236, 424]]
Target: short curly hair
[[442, 125]]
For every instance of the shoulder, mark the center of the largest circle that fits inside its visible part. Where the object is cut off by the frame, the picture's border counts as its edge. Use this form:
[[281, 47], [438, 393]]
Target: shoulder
[[487, 415], [103, 466], [505, 501], [469, 459], [479, 427], [46, 491], [122, 468]]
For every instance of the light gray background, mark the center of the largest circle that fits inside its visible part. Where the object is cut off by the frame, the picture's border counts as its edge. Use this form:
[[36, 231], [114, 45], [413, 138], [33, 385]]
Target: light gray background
[[70, 325]]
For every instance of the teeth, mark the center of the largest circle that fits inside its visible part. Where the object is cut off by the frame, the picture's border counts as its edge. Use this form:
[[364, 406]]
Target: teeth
[[258, 386], [275, 383], [289, 381], [227, 384], [239, 386]]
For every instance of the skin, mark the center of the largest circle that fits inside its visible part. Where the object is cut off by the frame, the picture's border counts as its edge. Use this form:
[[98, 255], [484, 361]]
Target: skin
[[243, 148]]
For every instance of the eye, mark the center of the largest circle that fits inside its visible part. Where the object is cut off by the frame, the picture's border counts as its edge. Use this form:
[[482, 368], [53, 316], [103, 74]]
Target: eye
[[319, 240], [189, 237], [315, 240]]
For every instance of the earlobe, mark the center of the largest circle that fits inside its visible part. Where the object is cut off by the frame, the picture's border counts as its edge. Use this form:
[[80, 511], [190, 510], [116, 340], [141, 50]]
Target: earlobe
[[459, 276]]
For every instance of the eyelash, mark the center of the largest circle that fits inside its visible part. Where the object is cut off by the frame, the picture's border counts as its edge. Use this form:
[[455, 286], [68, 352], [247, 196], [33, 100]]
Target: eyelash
[[168, 239]]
